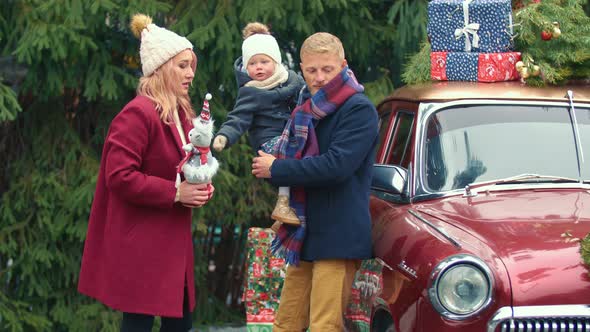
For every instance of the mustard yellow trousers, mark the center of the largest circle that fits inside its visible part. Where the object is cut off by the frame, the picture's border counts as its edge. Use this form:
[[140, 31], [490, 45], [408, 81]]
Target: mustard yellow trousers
[[315, 295]]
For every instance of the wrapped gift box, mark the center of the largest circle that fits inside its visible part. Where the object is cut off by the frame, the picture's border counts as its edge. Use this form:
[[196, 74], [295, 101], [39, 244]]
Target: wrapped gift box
[[264, 280], [367, 285], [261, 262], [468, 66], [490, 21]]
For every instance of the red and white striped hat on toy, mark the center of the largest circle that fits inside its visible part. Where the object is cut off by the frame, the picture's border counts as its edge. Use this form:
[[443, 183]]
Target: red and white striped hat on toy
[[205, 114]]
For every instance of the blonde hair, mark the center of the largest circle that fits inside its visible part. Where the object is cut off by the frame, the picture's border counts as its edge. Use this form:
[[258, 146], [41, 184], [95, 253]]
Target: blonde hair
[[322, 42], [253, 28], [158, 88]]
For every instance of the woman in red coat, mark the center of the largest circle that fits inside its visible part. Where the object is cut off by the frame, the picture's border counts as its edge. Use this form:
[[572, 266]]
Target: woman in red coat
[[138, 254]]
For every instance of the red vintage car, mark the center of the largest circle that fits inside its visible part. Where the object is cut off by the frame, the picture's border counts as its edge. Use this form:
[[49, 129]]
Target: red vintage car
[[481, 194]]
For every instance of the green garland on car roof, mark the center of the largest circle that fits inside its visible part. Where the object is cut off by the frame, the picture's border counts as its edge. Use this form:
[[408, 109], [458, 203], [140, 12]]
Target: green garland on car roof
[[552, 35]]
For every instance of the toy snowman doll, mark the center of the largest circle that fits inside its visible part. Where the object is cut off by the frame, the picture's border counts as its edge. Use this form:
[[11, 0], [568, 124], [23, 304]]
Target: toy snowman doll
[[199, 165]]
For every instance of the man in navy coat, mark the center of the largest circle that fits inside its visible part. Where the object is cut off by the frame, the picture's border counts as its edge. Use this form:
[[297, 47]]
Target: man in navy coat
[[336, 182]]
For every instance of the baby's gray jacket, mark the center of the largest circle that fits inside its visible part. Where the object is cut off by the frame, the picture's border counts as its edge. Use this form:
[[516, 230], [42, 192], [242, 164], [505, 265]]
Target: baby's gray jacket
[[263, 113]]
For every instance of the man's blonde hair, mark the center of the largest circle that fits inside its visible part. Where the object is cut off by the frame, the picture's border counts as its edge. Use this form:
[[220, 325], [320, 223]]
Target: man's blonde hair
[[322, 42], [159, 86]]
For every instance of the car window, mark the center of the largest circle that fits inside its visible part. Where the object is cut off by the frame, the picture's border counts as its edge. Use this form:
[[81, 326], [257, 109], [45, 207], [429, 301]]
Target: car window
[[399, 146], [383, 134], [466, 144]]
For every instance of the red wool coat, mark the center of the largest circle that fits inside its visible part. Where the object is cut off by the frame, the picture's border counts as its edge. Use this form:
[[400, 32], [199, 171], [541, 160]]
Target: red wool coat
[[138, 254]]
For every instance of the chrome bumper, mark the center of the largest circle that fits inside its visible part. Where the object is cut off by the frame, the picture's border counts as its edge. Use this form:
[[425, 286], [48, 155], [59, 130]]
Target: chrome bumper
[[551, 318]]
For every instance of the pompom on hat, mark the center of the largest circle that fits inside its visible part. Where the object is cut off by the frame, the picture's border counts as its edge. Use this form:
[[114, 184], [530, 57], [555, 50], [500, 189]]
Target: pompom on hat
[[158, 45], [260, 44]]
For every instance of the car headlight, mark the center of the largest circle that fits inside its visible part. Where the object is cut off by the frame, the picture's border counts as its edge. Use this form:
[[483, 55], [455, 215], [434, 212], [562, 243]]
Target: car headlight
[[461, 287]]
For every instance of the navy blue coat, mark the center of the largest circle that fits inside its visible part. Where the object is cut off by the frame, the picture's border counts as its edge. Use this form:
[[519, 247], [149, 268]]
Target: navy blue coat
[[263, 113], [337, 182]]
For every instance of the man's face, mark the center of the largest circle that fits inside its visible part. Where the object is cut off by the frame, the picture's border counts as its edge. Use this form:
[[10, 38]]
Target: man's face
[[320, 68]]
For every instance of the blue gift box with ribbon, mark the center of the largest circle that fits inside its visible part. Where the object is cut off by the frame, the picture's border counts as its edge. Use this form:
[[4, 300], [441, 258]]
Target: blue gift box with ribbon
[[470, 25]]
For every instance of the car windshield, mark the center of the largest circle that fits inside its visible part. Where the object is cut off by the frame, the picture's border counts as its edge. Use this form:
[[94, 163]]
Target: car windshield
[[478, 143]]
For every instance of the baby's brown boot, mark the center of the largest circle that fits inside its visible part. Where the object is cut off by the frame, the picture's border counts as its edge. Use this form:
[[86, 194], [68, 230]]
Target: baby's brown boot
[[284, 213]]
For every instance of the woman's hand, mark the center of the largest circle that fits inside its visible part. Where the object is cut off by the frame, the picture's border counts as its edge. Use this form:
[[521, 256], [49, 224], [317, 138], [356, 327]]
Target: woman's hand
[[195, 195]]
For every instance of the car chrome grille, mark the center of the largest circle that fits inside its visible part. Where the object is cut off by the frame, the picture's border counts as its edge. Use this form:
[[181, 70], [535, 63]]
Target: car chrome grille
[[546, 324], [547, 318]]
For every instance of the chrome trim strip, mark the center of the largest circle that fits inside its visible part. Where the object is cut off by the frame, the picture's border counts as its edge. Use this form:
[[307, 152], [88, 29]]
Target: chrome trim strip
[[404, 267], [444, 266], [582, 310], [527, 312], [501, 315], [425, 110], [437, 229], [382, 262]]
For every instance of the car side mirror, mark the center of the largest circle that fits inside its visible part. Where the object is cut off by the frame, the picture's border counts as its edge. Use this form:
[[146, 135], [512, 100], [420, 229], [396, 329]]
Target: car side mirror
[[389, 178]]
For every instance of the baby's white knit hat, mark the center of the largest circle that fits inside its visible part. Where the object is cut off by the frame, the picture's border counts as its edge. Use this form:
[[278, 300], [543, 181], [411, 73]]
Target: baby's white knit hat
[[260, 44], [158, 45]]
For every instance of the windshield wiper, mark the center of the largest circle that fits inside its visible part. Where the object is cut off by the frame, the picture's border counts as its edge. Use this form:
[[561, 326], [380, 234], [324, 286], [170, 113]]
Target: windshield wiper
[[579, 152], [538, 178], [521, 178]]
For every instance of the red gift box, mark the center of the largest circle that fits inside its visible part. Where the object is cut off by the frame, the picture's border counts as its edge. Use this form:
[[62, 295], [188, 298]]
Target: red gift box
[[489, 67]]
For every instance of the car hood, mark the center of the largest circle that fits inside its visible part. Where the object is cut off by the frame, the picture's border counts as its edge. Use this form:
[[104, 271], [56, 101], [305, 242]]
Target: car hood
[[535, 233]]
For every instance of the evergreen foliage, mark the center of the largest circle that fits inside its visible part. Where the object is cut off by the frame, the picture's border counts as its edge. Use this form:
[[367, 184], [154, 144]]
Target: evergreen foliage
[[418, 67], [410, 18], [585, 251], [9, 106], [560, 59], [80, 66]]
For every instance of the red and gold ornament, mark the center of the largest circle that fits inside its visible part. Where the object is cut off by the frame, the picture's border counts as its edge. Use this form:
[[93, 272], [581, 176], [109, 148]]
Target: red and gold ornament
[[552, 31]]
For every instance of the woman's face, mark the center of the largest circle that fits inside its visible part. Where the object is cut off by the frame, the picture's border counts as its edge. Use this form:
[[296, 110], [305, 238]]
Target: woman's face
[[182, 72]]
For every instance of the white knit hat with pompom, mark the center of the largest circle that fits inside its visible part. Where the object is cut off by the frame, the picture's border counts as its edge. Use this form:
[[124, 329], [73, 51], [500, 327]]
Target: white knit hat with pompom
[[158, 45], [260, 44]]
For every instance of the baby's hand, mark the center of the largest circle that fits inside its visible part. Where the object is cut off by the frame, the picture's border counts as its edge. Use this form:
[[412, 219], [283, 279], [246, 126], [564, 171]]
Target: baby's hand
[[219, 143]]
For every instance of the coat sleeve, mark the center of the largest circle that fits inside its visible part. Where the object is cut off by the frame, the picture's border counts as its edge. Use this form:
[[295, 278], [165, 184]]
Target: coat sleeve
[[351, 143], [240, 118], [127, 141]]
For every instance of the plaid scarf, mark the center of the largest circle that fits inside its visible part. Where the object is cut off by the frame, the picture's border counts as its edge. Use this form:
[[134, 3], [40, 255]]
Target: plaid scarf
[[299, 141]]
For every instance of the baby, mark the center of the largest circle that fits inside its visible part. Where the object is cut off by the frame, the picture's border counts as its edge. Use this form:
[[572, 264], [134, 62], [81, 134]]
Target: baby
[[267, 94]]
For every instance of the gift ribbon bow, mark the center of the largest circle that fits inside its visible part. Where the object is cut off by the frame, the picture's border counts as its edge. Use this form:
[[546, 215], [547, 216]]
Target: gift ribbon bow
[[468, 29]]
